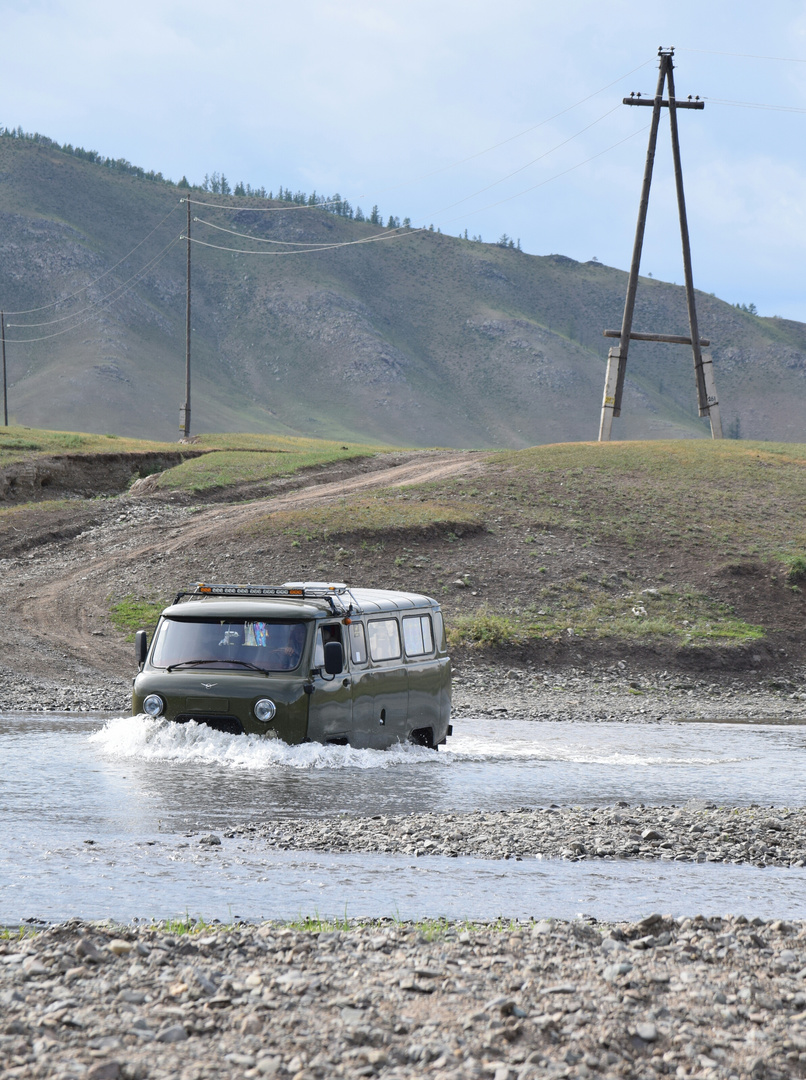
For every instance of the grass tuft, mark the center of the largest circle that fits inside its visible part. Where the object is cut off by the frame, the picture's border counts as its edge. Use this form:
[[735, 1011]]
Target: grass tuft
[[485, 628], [796, 570], [134, 613]]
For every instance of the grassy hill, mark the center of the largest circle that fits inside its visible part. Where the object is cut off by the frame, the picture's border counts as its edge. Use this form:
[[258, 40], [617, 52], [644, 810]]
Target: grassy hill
[[688, 553], [423, 340], [585, 547]]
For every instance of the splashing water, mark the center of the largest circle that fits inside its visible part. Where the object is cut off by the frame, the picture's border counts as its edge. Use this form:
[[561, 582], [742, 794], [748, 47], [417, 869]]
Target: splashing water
[[145, 738]]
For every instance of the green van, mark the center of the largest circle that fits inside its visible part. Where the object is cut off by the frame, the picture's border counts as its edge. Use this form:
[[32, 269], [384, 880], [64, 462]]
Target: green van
[[303, 662]]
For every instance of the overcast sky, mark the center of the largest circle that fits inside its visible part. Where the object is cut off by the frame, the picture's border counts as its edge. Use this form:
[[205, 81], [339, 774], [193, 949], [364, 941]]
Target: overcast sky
[[420, 105]]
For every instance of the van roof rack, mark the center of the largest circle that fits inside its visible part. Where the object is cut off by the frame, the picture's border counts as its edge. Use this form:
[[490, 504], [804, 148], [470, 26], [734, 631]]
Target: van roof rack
[[297, 590]]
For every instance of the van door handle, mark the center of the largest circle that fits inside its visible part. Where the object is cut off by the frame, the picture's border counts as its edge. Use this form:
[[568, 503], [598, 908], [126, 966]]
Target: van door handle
[[345, 682]]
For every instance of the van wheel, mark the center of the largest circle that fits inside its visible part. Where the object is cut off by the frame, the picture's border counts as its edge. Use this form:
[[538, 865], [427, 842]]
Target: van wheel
[[423, 736]]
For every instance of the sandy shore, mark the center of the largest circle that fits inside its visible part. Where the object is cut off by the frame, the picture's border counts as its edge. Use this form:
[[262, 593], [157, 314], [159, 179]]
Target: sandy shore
[[720, 998]]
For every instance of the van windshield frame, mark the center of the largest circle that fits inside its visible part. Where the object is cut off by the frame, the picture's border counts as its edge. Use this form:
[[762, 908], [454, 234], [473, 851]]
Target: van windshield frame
[[239, 643]]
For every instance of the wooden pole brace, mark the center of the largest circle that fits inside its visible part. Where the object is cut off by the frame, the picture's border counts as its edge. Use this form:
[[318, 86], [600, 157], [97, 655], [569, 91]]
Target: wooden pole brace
[[670, 339]]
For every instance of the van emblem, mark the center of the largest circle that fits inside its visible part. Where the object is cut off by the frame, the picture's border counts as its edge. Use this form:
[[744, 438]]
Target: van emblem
[[209, 685]]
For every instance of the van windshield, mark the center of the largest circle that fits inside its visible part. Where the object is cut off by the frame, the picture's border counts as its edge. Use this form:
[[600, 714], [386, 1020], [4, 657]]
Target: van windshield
[[236, 643]]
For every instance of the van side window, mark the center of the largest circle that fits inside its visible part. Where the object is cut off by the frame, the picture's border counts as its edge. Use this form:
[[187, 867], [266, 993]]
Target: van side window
[[358, 643], [328, 632], [439, 631], [417, 635], [384, 639]]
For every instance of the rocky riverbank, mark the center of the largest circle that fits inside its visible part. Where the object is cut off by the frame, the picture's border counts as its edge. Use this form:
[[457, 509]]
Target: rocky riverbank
[[615, 692], [692, 998], [698, 832], [482, 689]]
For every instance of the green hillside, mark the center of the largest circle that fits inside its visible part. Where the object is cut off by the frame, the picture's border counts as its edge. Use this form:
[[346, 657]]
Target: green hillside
[[422, 340]]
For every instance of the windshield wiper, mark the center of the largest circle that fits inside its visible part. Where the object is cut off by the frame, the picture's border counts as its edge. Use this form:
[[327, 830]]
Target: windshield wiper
[[216, 660]]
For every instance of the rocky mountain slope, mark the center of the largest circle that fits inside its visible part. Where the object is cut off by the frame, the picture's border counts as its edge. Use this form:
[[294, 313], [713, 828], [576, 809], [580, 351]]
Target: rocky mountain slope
[[422, 339]]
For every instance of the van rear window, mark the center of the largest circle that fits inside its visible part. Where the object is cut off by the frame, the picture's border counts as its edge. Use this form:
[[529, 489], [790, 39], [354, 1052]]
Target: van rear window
[[384, 639], [417, 635]]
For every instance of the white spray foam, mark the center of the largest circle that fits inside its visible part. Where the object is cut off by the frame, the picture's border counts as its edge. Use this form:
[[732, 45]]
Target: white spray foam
[[478, 748], [144, 737]]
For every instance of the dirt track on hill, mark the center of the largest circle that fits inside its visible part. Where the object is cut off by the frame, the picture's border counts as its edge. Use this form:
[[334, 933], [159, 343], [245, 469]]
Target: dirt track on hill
[[55, 594]]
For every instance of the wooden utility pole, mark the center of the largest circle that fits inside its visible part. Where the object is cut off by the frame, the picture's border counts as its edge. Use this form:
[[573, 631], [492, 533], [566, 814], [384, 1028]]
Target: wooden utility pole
[[184, 419], [617, 356], [5, 391]]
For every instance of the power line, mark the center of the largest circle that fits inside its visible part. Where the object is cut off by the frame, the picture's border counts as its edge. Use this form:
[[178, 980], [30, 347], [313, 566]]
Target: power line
[[549, 179], [107, 301], [55, 303], [754, 105], [267, 209], [95, 303], [745, 56], [314, 246], [444, 168], [394, 234], [512, 138], [261, 239], [400, 233], [533, 162]]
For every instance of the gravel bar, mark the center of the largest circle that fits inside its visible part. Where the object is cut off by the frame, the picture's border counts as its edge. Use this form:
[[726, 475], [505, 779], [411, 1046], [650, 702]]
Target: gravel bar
[[697, 832], [716, 998]]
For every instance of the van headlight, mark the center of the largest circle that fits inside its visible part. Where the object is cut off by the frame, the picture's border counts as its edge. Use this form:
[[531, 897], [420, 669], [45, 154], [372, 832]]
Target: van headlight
[[154, 705], [265, 709]]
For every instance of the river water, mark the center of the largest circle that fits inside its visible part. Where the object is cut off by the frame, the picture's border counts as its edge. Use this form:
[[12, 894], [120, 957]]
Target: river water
[[94, 814]]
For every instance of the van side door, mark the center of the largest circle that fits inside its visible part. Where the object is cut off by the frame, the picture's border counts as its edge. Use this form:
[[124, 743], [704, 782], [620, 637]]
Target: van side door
[[380, 687], [330, 704]]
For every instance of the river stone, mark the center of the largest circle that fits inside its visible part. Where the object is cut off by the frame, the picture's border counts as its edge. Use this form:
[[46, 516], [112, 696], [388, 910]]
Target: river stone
[[105, 1070], [87, 951], [173, 1034], [611, 945], [120, 947], [648, 1032], [268, 1066], [133, 997], [614, 971]]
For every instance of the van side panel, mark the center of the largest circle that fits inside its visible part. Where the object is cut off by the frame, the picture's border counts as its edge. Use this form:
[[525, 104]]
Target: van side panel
[[428, 679]]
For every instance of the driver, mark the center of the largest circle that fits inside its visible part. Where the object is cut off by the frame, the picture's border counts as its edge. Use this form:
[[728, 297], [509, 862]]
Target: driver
[[289, 654]]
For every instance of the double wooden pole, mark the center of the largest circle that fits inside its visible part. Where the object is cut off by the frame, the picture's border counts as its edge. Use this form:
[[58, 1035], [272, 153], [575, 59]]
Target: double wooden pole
[[617, 356]]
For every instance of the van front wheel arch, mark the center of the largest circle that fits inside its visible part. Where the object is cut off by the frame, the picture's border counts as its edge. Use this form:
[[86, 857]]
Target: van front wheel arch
[[423, 736]]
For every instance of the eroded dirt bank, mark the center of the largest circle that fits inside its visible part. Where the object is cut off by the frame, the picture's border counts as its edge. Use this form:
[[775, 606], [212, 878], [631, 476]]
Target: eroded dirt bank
[[51, 476], [710, 998]]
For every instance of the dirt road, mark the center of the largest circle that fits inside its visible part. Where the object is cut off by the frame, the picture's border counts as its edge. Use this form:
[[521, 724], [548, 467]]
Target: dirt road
[[55, 595]]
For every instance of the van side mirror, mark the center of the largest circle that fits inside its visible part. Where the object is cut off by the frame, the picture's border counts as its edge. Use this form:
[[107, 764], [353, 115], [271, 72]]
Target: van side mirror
[[334, 658], [141, 647]]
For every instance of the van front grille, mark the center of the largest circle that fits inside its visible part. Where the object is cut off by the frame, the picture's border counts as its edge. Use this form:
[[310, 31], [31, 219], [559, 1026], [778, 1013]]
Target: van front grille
[[230, 724]]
